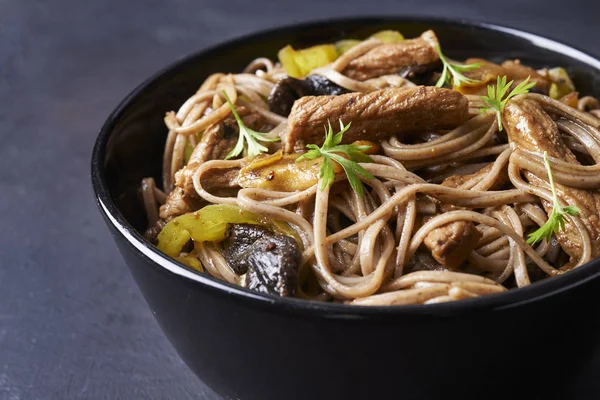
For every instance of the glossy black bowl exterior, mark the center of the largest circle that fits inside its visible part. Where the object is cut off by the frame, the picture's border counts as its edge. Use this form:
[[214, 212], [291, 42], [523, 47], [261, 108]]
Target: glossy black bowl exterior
[[539, 340]]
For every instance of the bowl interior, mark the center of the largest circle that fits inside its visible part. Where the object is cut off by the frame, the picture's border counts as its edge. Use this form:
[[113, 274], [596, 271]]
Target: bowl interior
[[131, 144]]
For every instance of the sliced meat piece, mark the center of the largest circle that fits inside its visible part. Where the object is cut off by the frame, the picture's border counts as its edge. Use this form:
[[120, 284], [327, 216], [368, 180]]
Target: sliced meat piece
[[184, 198], [519, 72], [178, 204], [452, 243], [215, 144], [529, 127], [410, 56], [488, 73], [374, 116], [270, 260]]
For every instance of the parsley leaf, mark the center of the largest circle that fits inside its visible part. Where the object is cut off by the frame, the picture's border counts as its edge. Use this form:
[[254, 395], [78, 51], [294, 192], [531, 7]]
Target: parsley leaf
[[252, 138], [556, 221], [331, 150], [452, 72], [496, 99]]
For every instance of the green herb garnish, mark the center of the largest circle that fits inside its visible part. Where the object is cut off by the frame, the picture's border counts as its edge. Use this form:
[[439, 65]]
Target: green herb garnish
[[247, 135], [556, 221], [330, 152], [495, 99], [452, 72]]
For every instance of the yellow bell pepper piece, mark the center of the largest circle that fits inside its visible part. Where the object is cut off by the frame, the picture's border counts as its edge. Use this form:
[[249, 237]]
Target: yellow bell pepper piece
[[191, 261], [388, 36], [562, 84], [189, 149], [299, 63], [281, 172], [208, 224], [343, 46]]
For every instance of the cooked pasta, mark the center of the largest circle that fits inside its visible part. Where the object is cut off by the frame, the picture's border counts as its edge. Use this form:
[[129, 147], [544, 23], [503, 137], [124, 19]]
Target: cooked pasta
[[454, 184]]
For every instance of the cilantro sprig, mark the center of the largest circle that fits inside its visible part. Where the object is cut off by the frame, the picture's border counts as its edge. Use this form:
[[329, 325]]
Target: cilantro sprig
[[247, 135], [452, 72], [556, 221], [497, 99], [331, 151]]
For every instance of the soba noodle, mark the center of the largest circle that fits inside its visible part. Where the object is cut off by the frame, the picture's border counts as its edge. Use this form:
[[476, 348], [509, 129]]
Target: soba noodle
[[368, 250]]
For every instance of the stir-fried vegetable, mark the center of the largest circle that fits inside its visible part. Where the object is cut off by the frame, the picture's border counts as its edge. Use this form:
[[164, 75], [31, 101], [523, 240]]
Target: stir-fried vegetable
[[189, 148], [556, 220], [281, 172], [497, 98], [331, 151], [208, 224], [388, 36], [562, 84], [191, 261], [299, 63], [344, 45], [571, 99]]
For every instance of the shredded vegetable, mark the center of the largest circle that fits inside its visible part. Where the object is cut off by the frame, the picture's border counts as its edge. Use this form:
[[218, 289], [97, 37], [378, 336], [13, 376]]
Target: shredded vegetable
[[562, 84], [208, 224], [299, 63]]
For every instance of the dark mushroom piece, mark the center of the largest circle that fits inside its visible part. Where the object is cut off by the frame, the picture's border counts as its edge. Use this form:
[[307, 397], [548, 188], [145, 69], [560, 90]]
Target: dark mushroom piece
[[288, 90], [270, 260]]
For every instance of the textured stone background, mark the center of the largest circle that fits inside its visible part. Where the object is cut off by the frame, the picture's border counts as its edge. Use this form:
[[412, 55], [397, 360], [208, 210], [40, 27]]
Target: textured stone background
[[73, 325]]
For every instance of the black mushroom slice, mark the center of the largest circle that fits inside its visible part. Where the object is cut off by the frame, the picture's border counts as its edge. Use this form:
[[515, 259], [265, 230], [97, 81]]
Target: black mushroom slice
[[288, 90], [270, 260]]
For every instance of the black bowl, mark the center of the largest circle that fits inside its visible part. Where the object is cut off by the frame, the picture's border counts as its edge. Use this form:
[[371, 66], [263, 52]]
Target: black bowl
[[539, 340]]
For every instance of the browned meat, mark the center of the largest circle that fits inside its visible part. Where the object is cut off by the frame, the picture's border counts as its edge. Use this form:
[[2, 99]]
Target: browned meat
[[375, 116], [512, 69], [178, 203], [530, 128], [519, 72], [391, 58], [221, 182], [183, 198], [452, 243], [215, 144]]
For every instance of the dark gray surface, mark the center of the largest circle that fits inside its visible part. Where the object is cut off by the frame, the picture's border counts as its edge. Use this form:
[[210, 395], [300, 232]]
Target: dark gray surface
[[73, 325]]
